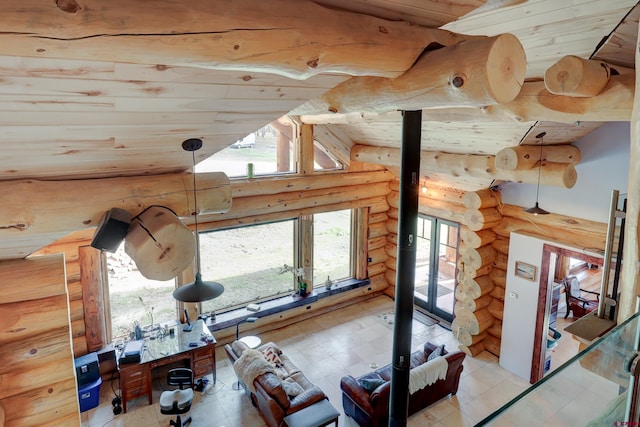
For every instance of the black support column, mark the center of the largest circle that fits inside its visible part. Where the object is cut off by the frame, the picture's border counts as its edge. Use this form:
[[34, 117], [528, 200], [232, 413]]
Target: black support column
[[406, 266]]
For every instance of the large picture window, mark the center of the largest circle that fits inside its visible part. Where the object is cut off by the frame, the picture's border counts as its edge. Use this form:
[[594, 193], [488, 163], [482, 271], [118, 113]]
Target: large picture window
[[254, 263], [248, 262]]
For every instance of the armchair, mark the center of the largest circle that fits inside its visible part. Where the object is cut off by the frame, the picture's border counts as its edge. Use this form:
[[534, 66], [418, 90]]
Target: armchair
[[577, 301]]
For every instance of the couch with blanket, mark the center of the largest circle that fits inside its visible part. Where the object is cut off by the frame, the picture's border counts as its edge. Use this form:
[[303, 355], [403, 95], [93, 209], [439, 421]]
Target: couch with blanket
[[276, 386], [366, 398]]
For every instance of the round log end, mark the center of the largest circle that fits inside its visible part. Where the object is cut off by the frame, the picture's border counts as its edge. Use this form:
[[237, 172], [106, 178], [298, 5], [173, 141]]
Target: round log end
[[569, 177], [507, 159], [506, 68], [577, 77], [564, 76]]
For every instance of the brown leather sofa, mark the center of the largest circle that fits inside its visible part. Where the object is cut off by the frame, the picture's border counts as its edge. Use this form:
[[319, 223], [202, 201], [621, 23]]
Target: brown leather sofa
[[268, 391], [372, 408]]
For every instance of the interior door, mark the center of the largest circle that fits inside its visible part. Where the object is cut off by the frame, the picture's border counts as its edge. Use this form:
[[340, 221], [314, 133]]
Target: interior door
[[436, 270]]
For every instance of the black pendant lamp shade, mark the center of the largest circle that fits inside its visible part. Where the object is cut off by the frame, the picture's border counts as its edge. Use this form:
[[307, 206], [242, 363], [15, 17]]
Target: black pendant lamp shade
[[198, 290], [537, 210]]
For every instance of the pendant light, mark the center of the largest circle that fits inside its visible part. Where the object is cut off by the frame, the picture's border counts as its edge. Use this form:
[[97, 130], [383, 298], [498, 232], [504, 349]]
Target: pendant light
[[537, 210], [198, 290]]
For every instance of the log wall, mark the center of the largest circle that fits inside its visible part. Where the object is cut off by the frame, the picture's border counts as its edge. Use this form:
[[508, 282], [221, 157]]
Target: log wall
[[69, 246], [36, 360], [479, 303]]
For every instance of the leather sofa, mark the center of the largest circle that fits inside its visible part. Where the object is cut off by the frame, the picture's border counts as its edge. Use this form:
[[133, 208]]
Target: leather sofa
[[271, 391], [372, 408]]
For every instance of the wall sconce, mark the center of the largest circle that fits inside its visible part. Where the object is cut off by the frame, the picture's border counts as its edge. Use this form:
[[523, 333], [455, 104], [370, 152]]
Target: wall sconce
[[424, 188]]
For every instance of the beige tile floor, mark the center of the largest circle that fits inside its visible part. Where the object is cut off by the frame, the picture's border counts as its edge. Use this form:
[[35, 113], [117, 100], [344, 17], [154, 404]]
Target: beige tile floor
[[327, 347]]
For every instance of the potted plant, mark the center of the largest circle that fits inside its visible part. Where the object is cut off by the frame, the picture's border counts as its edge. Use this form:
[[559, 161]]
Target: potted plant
[[298, 273]]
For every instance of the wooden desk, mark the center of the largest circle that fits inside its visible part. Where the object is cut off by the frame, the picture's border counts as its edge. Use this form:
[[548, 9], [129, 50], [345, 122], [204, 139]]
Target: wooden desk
[[135, 378]]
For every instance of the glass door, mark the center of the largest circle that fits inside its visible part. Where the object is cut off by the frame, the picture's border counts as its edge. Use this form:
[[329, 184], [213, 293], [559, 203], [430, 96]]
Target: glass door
[[437, 252]]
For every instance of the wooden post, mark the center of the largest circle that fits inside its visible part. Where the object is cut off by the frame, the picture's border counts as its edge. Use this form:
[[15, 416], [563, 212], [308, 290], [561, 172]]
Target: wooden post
[[305, 229], [305, 153], [630, 277], [94, 281]]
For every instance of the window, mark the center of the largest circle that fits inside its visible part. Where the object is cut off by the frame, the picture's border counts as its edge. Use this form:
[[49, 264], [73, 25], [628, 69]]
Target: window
[[332, 255], [269, 152], [248, 262], [134, 298], [323, 159], [437, 252]]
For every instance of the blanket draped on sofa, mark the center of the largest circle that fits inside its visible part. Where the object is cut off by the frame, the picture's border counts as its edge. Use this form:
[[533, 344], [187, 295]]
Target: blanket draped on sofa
[[427, 374], [250, 365]]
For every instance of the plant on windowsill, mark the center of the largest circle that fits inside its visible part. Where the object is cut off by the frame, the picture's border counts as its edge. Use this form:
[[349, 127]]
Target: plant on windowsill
[[298, 274]]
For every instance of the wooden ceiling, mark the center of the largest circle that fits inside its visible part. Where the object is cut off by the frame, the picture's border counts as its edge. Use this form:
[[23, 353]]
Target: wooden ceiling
[[70, 112]]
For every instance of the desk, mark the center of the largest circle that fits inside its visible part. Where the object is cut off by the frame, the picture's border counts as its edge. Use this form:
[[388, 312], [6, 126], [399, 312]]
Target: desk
[[135, 378]]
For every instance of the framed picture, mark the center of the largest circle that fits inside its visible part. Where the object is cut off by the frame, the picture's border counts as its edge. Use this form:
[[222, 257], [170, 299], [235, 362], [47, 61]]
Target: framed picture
[[526, 271]]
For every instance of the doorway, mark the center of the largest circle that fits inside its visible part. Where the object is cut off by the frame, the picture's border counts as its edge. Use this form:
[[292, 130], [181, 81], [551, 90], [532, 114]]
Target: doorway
[[436, 255], [557, 263]]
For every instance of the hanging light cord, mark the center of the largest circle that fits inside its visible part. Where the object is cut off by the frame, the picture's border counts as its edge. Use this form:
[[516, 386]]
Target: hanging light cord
[[539, 169], [195, 211]]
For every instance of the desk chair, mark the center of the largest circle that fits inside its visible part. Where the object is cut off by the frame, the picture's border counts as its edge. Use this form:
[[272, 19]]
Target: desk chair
[[177, 402]]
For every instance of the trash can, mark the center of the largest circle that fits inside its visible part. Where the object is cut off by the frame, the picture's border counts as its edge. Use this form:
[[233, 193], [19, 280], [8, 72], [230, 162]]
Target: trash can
[[89, 395]]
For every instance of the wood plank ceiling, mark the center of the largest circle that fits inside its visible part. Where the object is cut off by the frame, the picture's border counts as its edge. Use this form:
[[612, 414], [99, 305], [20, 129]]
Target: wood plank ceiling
[[64, 118]]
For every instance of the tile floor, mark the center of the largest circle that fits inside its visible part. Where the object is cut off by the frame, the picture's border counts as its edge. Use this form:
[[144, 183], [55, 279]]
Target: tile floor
[[325, 348]]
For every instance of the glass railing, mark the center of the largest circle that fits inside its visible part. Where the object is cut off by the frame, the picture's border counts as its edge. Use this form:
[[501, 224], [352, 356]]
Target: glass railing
[[591, 389]]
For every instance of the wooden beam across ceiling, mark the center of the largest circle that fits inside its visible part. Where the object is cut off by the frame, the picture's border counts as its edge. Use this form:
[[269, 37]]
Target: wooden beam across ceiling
[[473, 73], [249, 35], [533, 103], [478, 166]]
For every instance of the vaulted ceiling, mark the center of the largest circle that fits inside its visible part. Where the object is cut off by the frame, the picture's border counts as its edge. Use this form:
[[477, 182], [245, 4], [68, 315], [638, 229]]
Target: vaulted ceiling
[[94, 91]]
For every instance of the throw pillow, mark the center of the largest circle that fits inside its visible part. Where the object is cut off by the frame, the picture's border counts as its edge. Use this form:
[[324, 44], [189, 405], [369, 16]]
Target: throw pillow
[[270, 356], [437, 352], [291, 387], [370, 384]]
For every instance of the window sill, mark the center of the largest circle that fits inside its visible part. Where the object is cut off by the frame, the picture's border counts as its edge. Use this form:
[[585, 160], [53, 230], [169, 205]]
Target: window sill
[[278, 305]]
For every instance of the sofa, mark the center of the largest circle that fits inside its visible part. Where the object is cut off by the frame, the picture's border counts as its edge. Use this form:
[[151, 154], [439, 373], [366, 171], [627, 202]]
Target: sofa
[[370, 406], [275, 385]]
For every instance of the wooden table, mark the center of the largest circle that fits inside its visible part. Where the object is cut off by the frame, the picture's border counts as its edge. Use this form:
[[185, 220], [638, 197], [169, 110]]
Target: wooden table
[[135, 378]]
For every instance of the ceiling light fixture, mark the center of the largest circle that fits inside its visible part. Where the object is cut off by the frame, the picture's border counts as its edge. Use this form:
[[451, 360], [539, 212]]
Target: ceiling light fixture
[[537, 210], [198, 290]]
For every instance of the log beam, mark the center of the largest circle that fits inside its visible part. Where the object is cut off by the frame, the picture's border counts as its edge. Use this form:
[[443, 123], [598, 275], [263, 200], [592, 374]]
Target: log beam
[[470, 74], [590, 235], [534, 103], [525, 157], [250, 36], [53, 208], [478, 166]]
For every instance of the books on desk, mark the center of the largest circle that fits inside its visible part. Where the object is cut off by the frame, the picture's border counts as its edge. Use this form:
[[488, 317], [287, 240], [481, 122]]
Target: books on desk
[[132, 352]]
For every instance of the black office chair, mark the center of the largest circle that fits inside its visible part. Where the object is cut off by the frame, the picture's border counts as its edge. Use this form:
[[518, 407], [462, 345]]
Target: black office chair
[[177, 402]]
